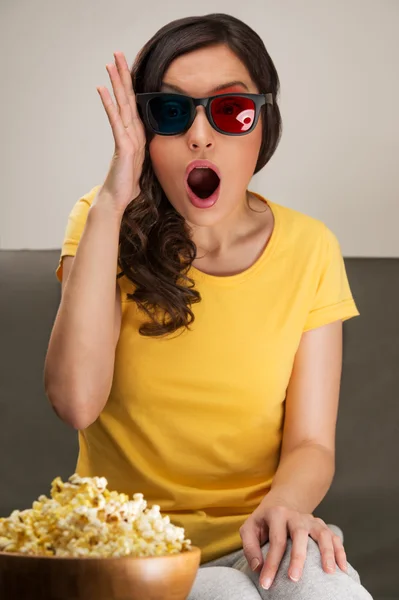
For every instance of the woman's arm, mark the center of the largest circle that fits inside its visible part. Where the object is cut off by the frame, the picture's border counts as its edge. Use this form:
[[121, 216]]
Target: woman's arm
[[80, 358], [306, 466], [307, 462]]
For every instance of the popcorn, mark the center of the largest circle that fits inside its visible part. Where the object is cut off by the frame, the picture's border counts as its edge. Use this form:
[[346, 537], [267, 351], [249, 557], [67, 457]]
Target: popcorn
[[83, 518]]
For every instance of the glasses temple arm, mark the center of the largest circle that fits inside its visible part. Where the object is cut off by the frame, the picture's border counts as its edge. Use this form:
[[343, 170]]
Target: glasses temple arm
[[268, 98]]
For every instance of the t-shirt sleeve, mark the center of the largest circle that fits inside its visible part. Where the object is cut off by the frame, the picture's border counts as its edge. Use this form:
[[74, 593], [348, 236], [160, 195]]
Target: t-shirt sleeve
[[333, 300], [75, 226]]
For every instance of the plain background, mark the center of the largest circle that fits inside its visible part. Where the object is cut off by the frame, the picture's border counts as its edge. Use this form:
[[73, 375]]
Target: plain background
[[338, 62]]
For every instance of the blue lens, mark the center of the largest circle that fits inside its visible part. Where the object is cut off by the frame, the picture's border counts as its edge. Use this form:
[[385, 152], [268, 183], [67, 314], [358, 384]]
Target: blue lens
[[169, 113]]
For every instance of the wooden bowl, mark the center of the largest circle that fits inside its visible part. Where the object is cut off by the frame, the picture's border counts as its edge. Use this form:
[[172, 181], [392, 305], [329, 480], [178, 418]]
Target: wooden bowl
[[169, 577]]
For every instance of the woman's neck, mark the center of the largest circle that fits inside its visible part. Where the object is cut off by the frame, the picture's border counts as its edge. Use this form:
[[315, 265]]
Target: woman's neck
[[233, 245]]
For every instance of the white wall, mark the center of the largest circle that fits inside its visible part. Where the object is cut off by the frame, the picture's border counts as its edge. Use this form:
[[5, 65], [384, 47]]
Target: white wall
[[338, 62]]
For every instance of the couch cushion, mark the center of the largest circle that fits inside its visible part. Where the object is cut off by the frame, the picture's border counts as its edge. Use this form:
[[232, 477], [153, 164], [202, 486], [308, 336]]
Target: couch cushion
[[34, 444], [364, 497]]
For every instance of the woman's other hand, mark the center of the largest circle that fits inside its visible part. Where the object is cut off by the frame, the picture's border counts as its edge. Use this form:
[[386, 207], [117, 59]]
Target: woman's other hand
[[273, 523]]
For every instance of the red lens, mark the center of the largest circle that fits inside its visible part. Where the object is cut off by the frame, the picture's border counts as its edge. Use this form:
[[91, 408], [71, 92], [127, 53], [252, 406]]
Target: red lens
[[233, 114]]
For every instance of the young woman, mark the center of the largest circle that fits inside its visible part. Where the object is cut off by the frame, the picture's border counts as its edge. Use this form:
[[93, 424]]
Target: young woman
[[198, 343]]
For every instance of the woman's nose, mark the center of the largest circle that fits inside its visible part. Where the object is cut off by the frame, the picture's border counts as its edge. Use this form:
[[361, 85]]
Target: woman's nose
[[201, 132]]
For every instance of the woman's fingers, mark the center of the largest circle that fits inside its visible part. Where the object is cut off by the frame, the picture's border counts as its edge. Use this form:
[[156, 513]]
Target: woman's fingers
[[340, 554], [114, 118], [120, 95], [251, 545], [126, 80], [299, 537], [323, 536], [277, 547]]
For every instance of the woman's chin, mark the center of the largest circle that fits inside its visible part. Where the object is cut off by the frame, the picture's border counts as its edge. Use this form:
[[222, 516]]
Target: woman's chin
[[209, 215], [205, 212]]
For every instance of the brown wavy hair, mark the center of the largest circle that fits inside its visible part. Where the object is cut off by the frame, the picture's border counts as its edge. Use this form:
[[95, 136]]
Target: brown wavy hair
[[155, 247]]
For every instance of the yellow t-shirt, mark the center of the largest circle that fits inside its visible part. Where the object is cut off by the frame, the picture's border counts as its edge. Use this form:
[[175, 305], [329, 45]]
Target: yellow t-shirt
[[194, 422]]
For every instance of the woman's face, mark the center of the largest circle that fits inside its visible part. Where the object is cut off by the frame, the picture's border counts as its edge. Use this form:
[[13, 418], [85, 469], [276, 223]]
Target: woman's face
[[197, 74]]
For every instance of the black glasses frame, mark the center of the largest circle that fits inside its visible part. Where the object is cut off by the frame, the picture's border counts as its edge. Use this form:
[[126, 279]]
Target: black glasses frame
[[143, 100]]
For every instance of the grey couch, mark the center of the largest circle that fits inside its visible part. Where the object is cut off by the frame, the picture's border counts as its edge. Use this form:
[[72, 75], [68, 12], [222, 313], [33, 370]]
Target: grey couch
[[364, 499]]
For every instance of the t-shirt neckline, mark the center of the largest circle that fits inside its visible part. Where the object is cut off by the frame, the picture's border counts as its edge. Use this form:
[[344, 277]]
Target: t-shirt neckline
[[265, 255]]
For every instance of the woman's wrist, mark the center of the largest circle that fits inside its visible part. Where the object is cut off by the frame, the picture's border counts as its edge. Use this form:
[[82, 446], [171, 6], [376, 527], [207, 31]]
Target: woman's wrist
[[103, 205]]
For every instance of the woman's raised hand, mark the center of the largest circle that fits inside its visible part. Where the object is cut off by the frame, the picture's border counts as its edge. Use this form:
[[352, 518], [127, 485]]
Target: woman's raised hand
[[121, 185]]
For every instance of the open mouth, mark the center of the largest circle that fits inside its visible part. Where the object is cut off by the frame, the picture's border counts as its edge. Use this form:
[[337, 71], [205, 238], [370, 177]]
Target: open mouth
[[203, 181]]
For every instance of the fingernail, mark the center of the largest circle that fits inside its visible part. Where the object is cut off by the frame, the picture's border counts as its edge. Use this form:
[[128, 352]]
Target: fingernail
[[345, 565], [295, 575], [266, 584], [254, 564], [330, 565]]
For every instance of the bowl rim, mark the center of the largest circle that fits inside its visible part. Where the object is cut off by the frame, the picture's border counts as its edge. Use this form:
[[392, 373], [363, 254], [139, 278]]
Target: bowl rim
[[192, 550]]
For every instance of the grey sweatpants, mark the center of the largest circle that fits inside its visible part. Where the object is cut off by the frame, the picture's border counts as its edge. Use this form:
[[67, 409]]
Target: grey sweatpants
[[230, 578]]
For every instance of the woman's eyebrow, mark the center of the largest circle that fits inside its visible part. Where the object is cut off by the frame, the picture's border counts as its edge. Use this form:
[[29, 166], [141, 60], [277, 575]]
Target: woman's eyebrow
[[222, 86]]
